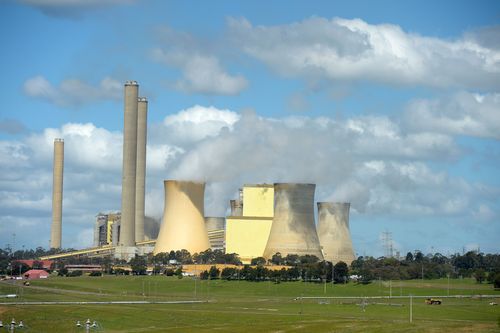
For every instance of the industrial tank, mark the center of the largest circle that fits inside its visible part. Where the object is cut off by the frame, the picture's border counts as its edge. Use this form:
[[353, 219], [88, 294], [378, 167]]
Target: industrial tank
[[293, 230], [183, 223], [333, 231]]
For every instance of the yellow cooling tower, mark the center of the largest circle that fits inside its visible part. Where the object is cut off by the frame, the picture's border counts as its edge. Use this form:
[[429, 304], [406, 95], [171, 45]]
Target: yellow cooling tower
[[183, 224]]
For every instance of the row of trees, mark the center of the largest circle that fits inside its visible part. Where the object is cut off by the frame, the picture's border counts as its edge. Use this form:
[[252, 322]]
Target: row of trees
[[483, 267], [432, 266], [312, 272]]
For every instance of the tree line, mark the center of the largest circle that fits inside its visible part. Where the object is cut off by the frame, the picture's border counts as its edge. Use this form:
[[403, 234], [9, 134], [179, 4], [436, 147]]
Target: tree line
[[482, 267]]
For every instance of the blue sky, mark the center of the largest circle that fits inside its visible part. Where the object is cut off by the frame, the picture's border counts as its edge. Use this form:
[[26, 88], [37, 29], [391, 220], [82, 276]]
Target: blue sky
[[393, 106]]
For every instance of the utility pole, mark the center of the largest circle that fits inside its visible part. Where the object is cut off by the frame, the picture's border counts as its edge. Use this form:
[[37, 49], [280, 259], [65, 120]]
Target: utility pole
[[411, 308]]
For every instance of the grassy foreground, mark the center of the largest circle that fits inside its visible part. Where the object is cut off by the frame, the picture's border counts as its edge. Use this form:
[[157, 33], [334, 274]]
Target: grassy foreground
[[239, 306]]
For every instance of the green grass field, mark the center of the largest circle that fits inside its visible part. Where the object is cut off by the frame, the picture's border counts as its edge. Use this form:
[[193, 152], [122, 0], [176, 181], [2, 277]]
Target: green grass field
[[239, 306]]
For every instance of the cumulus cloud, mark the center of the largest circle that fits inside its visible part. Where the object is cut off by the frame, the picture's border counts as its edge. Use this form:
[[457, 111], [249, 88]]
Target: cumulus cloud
[[11, 126], [71, 8], [342, 49], [201, 74], [372, 162], [463, 113], [72, 92], [199, 61]]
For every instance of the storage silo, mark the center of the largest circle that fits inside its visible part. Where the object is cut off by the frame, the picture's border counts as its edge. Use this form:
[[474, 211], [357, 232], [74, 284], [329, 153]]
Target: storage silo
[[293, 230], [333, 231], [183, 223]]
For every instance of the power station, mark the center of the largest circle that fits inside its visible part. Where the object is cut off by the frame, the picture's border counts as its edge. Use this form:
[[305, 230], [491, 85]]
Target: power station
[[264, 220]]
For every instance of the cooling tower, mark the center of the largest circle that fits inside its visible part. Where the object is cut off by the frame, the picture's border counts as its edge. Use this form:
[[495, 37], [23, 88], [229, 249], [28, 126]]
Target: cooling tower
[[127, 229], [236, 207], [215, 223], [293, 230], [57, 191], [183, 224], [140, 182], [333, 232]]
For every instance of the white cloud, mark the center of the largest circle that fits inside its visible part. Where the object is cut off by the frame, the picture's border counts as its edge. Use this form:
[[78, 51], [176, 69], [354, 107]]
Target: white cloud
[[463, 113], [201, 73], [199, 122], [370, 161], [342, 49], [71, 8], [73, 92]]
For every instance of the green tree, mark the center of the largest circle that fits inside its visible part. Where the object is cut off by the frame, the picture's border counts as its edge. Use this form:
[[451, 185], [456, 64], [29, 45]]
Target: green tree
[[480, 275], [138, 265], [259, 261], [213, 273], [341, 272]]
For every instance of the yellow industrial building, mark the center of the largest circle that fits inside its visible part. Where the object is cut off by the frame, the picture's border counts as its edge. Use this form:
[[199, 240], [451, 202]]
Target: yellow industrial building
[[247, 234]]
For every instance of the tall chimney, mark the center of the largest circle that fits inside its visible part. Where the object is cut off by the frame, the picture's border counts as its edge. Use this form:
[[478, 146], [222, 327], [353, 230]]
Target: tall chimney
[[127, 228], [140, 187], [57, 190]]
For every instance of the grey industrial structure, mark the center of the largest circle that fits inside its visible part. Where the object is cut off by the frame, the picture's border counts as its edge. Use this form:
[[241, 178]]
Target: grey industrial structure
[[333, 231], [216, 230], [293, 230]]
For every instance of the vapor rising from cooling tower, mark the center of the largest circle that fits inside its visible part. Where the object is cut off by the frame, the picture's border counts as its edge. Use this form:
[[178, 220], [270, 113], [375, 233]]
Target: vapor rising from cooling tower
[[293, 230], [57, 191], [333, 232], [127, 228], [183, 224], [140, 187]]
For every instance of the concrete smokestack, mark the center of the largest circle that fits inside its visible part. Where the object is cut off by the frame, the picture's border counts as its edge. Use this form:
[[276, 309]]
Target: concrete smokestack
[[127, 228], [57, 191], [333, 231], [140, 182], [293, 230], [183, 224]]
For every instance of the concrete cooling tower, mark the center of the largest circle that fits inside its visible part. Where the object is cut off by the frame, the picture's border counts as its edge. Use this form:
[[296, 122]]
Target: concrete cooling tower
[[183, 224], [333, 232], [293, 230], [57, 191]]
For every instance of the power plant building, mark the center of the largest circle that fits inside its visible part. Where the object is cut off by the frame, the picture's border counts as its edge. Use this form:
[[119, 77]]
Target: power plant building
[[333, 231], [107, 229], [216, 229], [293, 229], [183, 223], [247, 234]]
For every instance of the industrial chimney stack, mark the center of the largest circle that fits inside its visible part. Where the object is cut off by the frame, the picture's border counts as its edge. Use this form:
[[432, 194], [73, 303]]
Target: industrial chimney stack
[[127, 228], [57, 190], [142, 117]]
